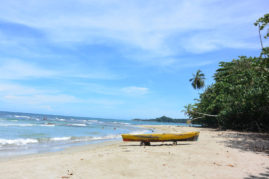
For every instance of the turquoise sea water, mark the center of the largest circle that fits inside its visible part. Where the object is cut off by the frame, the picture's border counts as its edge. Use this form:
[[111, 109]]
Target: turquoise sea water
[[23, 133]]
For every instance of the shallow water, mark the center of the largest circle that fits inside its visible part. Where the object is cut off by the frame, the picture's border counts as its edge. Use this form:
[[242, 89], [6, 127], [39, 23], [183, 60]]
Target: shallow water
[[22, 133]]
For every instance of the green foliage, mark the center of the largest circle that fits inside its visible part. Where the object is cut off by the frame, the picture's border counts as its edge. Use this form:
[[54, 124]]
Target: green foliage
[[188, 110], [164, 119], [262, 22], [265, 51], [239, 98], [198, 80]]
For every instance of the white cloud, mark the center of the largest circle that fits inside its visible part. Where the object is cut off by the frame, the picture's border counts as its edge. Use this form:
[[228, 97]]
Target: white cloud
[[13, 69], [12, 92], [146, 25], [135, 91], [112, 90], [22, 95], [15, 89], [210, 40], [41, 99], [17, 69]]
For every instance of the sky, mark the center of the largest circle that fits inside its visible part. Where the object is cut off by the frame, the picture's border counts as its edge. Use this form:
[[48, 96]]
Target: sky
[[119, 59]]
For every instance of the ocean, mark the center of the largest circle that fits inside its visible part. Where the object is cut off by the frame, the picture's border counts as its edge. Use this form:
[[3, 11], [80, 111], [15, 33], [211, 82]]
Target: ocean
[[24, 133]]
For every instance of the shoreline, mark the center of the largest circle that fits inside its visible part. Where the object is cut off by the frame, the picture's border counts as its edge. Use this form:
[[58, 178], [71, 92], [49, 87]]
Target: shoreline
[[209, 157], [93, 144]]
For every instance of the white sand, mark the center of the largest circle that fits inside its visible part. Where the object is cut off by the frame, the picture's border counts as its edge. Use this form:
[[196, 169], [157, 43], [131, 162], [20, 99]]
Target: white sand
[[206, 158]]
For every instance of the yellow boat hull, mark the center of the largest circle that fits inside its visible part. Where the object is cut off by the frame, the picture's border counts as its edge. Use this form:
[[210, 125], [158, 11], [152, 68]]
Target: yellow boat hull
[[187, 136]]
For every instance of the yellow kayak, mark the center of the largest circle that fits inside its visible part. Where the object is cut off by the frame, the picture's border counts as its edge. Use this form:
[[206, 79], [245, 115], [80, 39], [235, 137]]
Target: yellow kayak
[[147, 138]]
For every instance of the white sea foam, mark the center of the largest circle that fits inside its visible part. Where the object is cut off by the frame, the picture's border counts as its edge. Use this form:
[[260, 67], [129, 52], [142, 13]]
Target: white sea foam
[[60, 138], [60, 119], [121, 123], [17, 141], [47, 125], [85, 139], [18, 125], [78, 125], [17, 116], [11, 120], [106, 137]]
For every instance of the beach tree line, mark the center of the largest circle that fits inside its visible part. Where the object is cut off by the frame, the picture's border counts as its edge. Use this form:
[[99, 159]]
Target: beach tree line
[[239, 97]]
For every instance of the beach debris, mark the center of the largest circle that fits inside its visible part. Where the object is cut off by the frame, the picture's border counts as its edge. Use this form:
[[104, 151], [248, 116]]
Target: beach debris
[[217, 164], [65, 177], [164, 164], [69, 173], [230, 165], [81, 159]]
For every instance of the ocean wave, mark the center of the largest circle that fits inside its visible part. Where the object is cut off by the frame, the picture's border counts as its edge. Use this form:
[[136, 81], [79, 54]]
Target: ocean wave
[[17, 141], [106, 137], [116, 122], [17, 125], [60, 119], [121, 123], [47, 125], [60, 138], [18, 116], [77, 125], [88, 139], [78, 139]]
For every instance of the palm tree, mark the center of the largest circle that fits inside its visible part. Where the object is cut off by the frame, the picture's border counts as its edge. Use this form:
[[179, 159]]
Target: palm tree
[[198, 80]]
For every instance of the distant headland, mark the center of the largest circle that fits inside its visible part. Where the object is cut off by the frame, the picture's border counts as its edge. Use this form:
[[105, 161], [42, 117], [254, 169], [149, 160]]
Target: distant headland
[[164, 119]]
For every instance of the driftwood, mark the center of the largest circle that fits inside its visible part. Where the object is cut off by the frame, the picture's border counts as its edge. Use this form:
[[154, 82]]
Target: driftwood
[[210, 115]]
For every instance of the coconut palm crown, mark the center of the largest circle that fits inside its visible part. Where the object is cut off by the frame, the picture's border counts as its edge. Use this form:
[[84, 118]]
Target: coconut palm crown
[[198, 80]]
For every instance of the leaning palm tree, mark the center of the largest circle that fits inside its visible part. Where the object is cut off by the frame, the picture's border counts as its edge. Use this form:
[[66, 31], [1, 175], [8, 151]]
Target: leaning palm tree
[[198, 80]]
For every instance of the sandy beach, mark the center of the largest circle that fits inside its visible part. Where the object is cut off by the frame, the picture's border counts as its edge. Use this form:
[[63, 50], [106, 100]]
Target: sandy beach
[[217, 154]]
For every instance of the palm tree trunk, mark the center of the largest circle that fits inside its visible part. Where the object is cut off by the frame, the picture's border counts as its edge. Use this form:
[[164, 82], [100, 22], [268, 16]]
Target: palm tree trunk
[[260, 37]]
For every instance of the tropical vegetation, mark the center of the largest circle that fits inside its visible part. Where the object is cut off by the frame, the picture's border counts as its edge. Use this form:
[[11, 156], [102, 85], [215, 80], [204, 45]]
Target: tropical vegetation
[[163, 119], [198, 80], [239, 98]]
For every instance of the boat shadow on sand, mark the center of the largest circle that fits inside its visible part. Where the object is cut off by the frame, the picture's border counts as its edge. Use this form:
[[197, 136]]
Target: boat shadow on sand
[[152, 144], [264, 175]]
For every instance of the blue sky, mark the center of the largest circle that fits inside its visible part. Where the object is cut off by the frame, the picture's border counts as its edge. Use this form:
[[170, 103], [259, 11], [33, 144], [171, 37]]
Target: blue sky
[[119, 58]]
